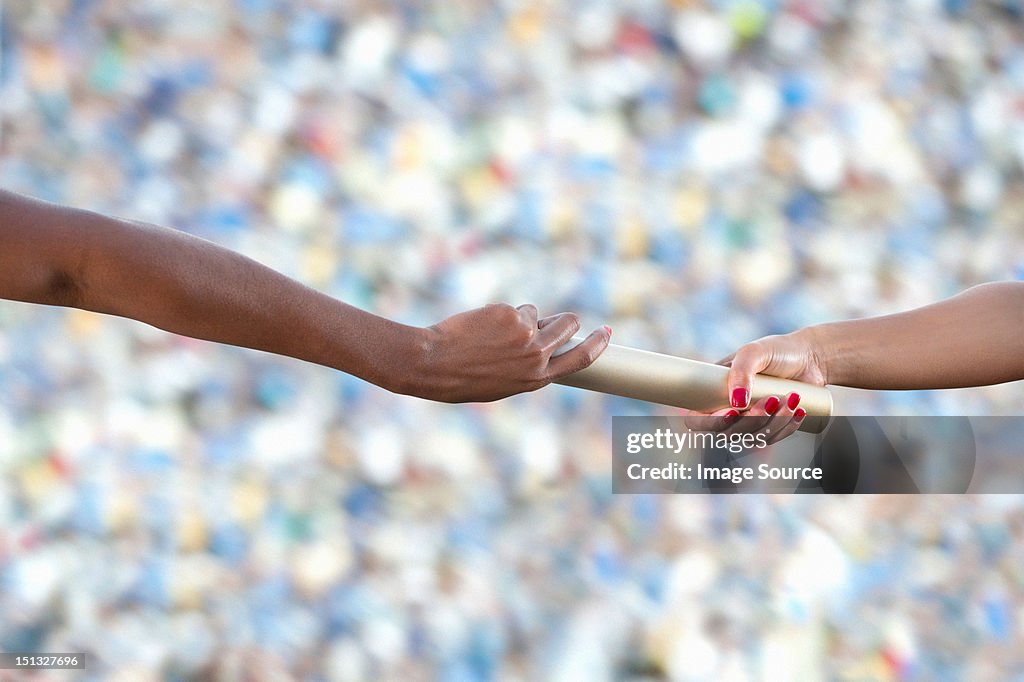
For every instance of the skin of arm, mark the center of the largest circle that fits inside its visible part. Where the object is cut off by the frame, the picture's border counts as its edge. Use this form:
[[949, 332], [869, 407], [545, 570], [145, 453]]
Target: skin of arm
[[56, 255], [972, 339]]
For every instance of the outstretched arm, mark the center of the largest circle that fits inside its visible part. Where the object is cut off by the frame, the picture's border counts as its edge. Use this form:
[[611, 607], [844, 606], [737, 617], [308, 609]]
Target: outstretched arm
[[972, 339], [56, 255]]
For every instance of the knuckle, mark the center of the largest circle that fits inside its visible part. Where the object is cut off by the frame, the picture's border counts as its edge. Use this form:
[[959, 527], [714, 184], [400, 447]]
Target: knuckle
[[524, 332], [763, 346], [750, 348], [504, 310], [586, 358], [504, 315], [749, 353]]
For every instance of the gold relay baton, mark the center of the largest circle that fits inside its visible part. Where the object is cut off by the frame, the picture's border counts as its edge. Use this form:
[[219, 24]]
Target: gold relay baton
[[690, 384]]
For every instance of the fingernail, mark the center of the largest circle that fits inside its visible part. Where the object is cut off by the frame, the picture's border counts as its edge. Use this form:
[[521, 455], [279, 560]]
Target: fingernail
[[800, 414], [608, 329], [730, 416], [771, 406], [793, 400], [740, 397]]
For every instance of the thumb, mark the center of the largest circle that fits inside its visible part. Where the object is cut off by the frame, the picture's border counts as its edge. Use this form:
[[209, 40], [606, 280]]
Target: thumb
[[748, 361]]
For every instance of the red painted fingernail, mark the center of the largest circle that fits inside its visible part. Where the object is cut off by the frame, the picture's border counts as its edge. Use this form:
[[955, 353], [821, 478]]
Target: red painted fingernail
[[799, 414], [730, 416], [608, 329], [771, 406], [793, 400], [740, 397]]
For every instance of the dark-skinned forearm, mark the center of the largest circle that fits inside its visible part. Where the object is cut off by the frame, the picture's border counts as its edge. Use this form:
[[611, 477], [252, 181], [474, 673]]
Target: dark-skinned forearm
[[972, 339], [193, 287]]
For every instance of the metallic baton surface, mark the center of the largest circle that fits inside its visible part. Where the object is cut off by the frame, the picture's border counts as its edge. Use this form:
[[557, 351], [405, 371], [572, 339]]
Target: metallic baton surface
[[680, 382]]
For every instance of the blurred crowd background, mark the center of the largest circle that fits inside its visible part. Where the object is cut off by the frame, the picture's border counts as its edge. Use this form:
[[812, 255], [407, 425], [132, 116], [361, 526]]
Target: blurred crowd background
[[695, 174]]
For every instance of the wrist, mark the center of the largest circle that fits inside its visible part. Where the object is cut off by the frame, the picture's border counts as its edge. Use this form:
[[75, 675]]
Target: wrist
[[383, 352], [403, 369], [821, 352]]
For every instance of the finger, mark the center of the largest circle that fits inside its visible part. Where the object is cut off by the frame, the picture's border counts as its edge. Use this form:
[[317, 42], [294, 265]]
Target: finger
[[785, 421], [528, 312], [545, 321], [787, 430], [765, 407], [778, 415], [727, 360], [581, 356], [748, 361], [784, 412], [558, 331], [757, 417], [747, 423], [719, 420]]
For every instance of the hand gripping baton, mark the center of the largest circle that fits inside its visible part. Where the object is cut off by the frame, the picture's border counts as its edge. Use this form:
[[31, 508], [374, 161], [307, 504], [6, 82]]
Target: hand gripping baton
[[691, 384]]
